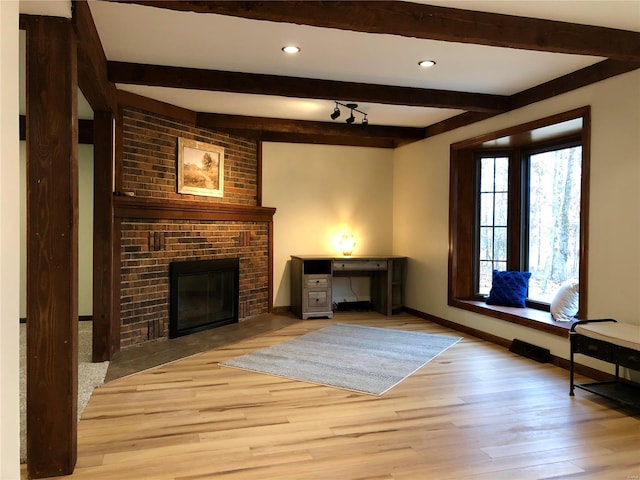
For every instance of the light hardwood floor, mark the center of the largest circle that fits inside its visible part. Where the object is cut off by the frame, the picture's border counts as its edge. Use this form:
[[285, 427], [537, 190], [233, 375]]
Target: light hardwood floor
[[476, 411]]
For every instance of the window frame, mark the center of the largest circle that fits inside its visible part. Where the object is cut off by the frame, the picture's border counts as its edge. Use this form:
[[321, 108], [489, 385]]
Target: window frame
[[463, 211], [512, 190]]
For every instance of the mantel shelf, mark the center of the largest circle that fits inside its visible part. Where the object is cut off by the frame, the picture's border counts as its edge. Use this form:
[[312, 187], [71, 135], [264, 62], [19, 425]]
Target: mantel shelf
[[170, 209]]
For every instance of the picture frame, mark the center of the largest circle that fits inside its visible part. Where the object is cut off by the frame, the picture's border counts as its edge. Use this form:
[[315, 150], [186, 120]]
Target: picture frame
[[200, 168]]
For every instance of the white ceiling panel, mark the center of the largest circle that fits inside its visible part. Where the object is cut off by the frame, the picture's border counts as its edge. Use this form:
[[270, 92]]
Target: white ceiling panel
[[158, 36]]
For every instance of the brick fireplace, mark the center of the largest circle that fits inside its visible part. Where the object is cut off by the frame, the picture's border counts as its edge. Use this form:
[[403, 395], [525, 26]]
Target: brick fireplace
[[158, 226]]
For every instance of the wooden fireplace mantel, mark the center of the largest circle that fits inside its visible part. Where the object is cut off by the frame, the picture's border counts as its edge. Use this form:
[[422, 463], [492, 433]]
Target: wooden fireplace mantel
[[170, 209]]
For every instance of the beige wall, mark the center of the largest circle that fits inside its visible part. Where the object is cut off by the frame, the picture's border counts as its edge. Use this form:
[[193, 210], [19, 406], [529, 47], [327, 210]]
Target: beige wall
[[85, 230], [9, 243], [319, 192], [421, 198]]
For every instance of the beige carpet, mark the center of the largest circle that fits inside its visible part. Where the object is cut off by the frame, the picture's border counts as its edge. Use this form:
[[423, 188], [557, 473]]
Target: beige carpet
[[90, 376]]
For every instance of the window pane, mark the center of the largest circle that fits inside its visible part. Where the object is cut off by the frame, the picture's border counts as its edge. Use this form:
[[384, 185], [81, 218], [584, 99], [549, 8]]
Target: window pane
[[486, 244], [484, 282], [492, 228], [554, 220], [502, 174], [486, 270], [486, 209], [499, 265], [501, 209], [486, 174], [500, 244]]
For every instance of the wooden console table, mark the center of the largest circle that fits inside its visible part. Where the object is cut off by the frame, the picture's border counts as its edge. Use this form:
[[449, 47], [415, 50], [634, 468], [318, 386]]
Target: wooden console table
[[311, 278]]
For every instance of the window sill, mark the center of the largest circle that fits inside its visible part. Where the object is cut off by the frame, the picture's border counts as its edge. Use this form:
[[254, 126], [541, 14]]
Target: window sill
[[527, 317]]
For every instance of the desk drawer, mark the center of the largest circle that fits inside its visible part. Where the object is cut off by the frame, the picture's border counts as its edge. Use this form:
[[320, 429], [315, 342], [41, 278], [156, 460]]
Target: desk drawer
[[595, 348], [317, 281], [359, 265], [317, 300]]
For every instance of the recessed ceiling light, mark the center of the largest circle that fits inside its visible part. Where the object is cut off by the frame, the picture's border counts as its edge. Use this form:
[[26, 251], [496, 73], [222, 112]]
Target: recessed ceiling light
[[290, 49], [427, 63]]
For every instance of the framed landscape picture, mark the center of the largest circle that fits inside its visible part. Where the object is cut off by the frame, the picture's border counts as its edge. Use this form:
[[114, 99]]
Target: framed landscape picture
[[200, 168]]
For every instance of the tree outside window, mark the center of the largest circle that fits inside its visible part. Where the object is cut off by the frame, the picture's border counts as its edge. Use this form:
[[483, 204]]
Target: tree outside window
[[554, 220]]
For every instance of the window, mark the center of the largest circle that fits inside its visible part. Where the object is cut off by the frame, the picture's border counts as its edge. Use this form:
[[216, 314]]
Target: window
[[519, 202], [553, 223], [549, 217], [493, 219]]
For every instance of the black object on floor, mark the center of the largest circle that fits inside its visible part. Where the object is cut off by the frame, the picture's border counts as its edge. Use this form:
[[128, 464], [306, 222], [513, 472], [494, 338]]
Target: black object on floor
[[359, 306], [528, 350]]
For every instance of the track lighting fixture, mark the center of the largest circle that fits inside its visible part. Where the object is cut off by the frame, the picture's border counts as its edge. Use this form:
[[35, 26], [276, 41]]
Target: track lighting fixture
[[353, 107]]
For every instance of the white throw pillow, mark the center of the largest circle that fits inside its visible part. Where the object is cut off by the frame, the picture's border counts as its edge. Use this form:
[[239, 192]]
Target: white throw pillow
[[564, 305]]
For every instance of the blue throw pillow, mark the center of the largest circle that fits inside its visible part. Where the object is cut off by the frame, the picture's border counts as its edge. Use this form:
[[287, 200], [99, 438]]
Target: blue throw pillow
[[509, 288]]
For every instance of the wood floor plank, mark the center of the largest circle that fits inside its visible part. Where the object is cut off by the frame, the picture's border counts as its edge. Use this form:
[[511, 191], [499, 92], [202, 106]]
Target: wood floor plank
[[475, 411]]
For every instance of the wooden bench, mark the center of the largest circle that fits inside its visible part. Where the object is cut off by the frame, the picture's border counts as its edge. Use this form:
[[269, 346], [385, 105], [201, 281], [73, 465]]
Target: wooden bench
[[613, 342]]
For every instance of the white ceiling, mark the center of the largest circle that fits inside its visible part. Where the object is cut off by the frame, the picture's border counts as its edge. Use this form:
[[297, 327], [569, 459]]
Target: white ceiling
[[139, 34]]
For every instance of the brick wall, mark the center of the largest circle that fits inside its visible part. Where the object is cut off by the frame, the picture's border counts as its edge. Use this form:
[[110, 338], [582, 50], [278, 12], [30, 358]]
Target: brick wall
[[149, 246], [149, 159], [144, 294]]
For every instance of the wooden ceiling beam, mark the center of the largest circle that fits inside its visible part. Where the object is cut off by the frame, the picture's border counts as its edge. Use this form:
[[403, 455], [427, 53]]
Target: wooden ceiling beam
[[416, 20], [92, 62], [260, 84], [581, 78], [156, 106], [572, 81], [302, 131], [215, 120], [281, 130], [351, 141], [620, 47]]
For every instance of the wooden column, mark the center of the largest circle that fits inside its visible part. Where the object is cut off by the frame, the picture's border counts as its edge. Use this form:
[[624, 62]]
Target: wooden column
[[52, 247], [102, 96], [106, 325]]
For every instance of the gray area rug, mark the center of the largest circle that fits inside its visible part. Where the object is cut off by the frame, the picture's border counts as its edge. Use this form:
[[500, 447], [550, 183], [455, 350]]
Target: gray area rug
[[363, 359], [90, 376]]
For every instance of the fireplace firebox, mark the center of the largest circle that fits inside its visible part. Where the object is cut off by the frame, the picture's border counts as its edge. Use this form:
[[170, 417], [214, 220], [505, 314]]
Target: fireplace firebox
[[203, 294]]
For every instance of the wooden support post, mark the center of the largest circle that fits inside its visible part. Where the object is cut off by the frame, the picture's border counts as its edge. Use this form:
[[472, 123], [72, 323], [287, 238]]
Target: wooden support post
[[106, 325], [52, 247], [102, 96]]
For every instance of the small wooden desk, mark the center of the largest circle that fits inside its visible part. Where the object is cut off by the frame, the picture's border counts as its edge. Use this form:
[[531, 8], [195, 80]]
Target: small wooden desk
[[311, 278]]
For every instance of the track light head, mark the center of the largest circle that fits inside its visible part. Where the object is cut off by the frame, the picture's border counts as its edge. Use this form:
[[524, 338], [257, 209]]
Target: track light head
[[353, 107]]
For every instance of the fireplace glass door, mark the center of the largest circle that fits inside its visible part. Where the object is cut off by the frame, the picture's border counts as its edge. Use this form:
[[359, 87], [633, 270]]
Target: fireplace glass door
[[204, 294]]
